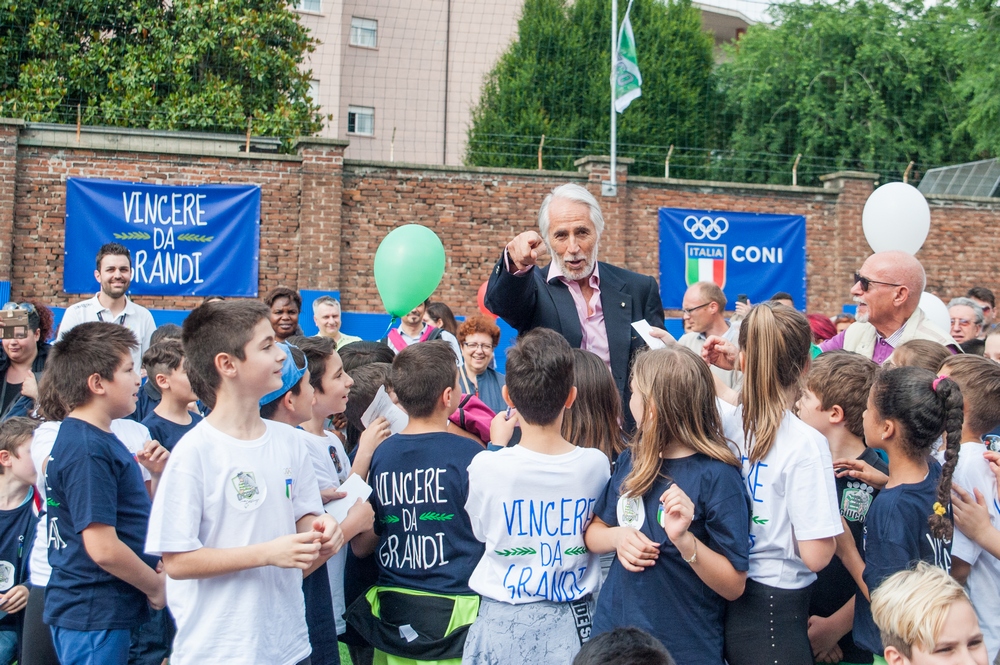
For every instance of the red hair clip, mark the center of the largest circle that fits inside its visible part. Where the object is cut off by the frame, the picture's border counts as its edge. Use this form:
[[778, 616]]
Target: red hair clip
[[938, 380]]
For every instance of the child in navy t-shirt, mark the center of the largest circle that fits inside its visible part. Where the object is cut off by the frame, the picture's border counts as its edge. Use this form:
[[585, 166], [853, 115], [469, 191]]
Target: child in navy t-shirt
[[677, 498], [171, 419], [908, 408], [102, 583]]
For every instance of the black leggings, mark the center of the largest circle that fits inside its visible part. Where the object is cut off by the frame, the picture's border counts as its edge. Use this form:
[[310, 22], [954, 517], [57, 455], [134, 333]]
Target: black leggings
[[36, 640], [767, 625]]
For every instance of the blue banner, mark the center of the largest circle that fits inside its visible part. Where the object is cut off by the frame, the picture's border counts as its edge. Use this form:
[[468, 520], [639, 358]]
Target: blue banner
[[742, 252], [186, 240]]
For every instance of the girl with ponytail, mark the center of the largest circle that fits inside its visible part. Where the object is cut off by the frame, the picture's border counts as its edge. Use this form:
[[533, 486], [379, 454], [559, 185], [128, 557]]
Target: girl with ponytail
[[788, 471], [676, 513], [908, 408]]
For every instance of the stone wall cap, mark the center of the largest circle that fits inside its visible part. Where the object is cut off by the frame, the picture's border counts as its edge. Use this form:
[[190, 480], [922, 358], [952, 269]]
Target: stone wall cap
[[319, 141], [12, 122], [487, 170], [602, 159], [850, 175]]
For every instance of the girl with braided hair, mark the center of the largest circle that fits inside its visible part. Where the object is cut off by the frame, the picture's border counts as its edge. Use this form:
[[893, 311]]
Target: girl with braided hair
[[908, 409]]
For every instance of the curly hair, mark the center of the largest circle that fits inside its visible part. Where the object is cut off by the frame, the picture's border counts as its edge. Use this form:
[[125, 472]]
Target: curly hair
[[478, 324]]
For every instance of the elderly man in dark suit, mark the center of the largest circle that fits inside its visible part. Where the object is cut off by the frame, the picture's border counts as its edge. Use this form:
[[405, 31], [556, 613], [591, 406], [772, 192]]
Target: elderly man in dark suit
[[592, 304]]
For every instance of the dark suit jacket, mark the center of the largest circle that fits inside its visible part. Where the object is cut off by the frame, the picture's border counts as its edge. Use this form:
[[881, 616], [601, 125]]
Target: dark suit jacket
[[529, 302]]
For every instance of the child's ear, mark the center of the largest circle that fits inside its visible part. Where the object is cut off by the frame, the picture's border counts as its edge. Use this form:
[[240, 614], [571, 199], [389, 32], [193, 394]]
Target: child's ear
[[162, 382], [506, 396], [836, 415], [225, 365], [569, 399], [887, 430], [893, 657], [5, 459], [95, 383]]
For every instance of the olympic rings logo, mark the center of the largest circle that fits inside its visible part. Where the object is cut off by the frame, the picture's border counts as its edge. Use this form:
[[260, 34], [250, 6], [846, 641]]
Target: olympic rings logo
[[706, 227]]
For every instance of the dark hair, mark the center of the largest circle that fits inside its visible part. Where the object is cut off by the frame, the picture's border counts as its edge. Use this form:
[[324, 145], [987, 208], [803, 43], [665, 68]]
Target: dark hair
[[979, 380], [922, 410], [113, 249], [268, 410], [162, 358], [781, 295], [623, 646], [359, 354], [420, 373], [14, 432], [973, 347], [776, 342], [166, 331], [89, 348], [42, 321], [316, 350], [844, 379], [822, 327], [594, 420], [478, 324], [920, 353], [982, 293], [213, 328], [367, 380], [280, 292], [438, 311], [540, 375]]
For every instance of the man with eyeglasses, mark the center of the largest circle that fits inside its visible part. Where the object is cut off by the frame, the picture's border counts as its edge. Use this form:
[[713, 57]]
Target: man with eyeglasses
[[966, 320], [704, 305], [983, 297], [590, 303], [887, 291], [111, 305]]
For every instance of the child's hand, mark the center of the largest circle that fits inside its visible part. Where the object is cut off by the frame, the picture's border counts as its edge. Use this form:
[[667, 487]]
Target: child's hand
[[331, 537], [823, 636], [339, 421], [158, 600], [374, 434], [361, 516], [994, 460], [30, 387], [678, 511], [502, 427], [972, 516], [14, 600], [862, 471], [719, 352], [153, 456], [635, 551], [297, 550]]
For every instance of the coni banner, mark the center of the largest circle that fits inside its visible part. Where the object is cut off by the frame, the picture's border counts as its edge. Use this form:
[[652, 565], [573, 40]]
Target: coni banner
[[186, 240], [742, 252]]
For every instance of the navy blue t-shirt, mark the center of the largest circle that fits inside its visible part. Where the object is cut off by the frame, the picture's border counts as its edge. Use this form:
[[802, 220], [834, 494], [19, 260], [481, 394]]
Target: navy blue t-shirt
[[421, 483], [834, 586], [167, 432], [669, 600], [896, 536], [91, 478], [17, 533]]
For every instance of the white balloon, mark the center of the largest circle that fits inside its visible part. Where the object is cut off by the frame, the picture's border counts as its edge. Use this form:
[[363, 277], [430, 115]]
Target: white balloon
[[896, 217], [935, 310]]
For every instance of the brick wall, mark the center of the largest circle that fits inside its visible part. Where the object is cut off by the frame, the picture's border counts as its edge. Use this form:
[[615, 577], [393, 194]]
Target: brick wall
[[322, 218]]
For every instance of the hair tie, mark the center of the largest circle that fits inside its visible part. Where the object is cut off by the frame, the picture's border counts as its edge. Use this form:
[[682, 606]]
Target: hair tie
[[939, 509], [938, 380]]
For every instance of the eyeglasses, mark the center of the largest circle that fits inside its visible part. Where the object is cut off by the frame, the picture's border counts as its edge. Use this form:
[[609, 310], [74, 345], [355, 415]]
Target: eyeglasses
[[26, 306], [962, 322], [472, 346], [867, 283], [695, 309]]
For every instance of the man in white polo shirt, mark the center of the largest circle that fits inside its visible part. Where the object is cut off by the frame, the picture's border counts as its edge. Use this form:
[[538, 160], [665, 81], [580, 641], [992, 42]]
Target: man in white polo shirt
[[111, 305]]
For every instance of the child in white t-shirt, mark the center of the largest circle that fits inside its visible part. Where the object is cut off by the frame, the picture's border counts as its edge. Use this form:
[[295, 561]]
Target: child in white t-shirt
[[531, 504], [238, 517], [788, 471], [978, 570]]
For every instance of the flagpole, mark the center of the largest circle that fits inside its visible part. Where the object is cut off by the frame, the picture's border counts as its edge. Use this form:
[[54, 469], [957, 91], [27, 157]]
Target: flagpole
[[612, 190]]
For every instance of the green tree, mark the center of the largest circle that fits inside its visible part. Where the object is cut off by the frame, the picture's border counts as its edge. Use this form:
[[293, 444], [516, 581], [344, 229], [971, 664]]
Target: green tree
[[858, 85], [980, 80], [185, 64], [554, 80]]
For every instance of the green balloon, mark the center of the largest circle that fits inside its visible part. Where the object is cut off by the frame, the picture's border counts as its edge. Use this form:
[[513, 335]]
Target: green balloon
[[409, 265]]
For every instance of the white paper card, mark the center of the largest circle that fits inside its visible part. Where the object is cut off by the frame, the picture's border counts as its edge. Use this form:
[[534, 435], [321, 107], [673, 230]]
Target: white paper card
[[382, 406], [642, 327], [407, 633], [356, 488]]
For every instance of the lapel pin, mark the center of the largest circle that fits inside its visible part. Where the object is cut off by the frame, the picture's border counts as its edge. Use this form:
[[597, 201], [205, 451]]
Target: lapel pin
[[623, 305]]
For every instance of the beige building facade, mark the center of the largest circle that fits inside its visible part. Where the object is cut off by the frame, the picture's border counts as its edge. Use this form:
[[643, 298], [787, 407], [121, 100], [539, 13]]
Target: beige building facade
[[399, 79]]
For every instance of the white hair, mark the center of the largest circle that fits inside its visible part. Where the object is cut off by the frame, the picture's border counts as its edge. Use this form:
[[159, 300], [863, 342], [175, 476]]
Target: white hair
[[571, 192], [325, 300], [971, 304]]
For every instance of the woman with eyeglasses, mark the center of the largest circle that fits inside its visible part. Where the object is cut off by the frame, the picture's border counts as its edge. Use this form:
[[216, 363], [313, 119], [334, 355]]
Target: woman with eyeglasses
[[23, 360], [478, 337]]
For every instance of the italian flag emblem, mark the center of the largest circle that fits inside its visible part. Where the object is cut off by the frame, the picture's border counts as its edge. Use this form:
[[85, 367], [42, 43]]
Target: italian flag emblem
[[705, 263]]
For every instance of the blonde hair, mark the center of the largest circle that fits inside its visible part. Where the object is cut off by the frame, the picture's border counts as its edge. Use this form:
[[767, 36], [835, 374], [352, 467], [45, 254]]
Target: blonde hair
[[678, 397], [911, 606], [775, 342]]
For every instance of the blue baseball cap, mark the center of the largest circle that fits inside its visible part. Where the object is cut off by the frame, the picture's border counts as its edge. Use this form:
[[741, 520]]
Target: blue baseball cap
[[290, 375]]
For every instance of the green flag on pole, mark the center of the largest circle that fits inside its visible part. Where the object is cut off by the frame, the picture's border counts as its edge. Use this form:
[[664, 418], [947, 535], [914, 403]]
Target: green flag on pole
[[628, 79]]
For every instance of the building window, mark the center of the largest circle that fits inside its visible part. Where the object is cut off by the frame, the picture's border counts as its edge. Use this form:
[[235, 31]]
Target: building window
[[364, 32], [361, 120], [308, 5], [314, 91]]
